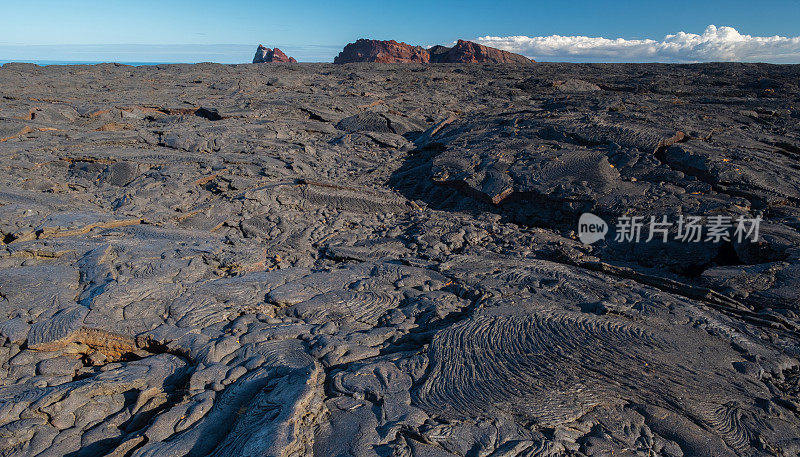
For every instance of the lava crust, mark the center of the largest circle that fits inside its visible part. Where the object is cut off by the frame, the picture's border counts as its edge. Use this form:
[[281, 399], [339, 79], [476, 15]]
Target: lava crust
[[380, 259]]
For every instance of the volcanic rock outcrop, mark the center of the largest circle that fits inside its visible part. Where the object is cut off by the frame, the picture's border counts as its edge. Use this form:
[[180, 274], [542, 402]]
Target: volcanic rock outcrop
[[393, 52], [266, 55], [383, 261], [469, 52]]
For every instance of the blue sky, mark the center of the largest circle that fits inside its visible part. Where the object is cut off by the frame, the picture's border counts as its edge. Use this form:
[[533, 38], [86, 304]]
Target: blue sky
[[316, 30]]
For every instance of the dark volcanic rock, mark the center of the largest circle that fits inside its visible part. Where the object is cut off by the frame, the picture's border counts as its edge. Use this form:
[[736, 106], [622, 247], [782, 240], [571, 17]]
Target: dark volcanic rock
[[364, 50], [368, 121], [436, 52], [382, 260], [469, 52], [264, 55]]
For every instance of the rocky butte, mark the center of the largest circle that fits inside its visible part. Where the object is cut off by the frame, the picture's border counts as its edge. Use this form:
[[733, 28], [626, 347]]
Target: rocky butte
[[364, 50], [266, 55], [382, 51], [469, 52]]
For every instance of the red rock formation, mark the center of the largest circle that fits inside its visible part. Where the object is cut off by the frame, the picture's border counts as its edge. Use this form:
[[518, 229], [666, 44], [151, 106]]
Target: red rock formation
[[469, 52], [382, 51], [394, 52], [271, 55]]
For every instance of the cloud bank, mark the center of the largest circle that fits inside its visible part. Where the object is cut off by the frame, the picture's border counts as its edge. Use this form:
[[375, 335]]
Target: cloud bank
[[715, 44]]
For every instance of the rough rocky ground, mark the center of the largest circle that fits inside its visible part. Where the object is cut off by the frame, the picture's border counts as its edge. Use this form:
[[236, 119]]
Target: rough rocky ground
[[355, 260]]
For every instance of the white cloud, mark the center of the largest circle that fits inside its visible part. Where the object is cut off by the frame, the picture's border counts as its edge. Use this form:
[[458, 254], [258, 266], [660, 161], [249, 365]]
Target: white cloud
[[715, 44]]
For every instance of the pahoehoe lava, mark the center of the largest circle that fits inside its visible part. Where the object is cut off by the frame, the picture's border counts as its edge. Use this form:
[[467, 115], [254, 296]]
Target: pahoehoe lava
[[368, 259]]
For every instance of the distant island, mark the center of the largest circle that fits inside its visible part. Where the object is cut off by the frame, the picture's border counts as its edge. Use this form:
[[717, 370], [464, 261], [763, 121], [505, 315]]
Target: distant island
[[266, 55], [391, 51]]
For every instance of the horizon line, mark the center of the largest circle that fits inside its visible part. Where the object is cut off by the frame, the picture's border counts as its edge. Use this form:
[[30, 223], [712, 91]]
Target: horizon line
[[153, 63]]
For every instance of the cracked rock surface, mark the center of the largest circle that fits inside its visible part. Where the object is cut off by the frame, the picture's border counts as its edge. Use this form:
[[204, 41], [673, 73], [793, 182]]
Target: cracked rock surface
[[382, 260]]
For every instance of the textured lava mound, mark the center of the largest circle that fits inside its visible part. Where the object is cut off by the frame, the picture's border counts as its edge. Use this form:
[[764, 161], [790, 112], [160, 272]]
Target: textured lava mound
[[335, 260]]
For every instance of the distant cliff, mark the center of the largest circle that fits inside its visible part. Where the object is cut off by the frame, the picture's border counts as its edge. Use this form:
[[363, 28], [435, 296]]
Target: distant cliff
[[393, 52], [469, 52], [264, 55], [382, 51]]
